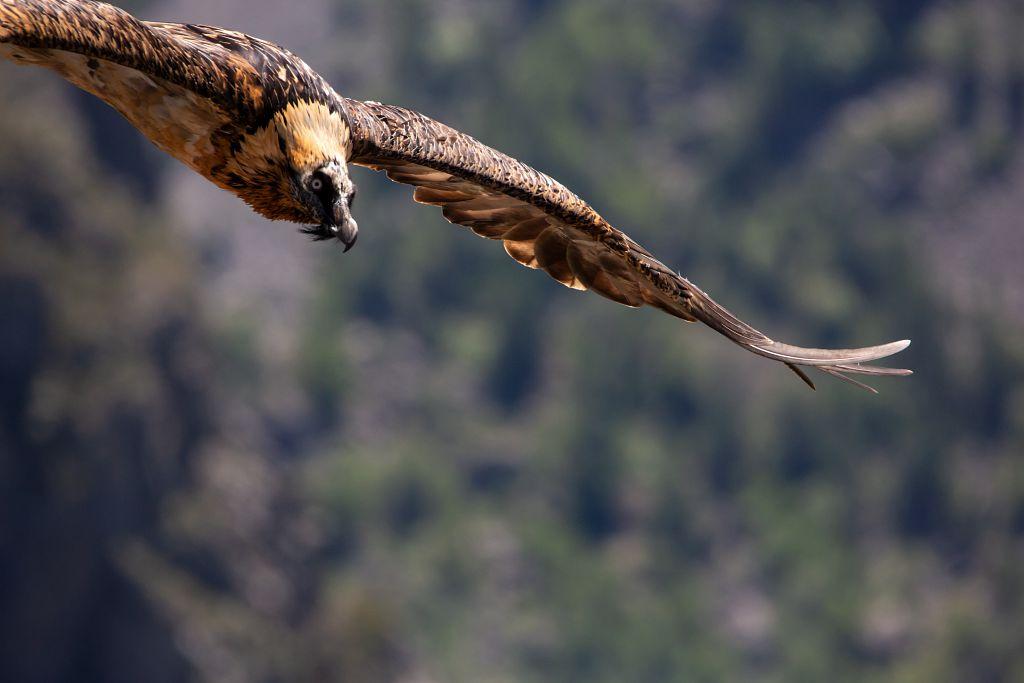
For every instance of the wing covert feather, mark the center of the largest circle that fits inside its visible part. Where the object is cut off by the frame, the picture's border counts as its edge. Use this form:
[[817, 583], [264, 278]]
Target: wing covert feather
[[248, 78]]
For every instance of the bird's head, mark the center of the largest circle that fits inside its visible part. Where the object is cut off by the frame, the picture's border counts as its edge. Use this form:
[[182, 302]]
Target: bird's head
[[311, 142], [327, 194]]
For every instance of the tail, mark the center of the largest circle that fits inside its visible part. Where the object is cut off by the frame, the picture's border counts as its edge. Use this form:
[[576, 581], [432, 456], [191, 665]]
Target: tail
[[836, 362]]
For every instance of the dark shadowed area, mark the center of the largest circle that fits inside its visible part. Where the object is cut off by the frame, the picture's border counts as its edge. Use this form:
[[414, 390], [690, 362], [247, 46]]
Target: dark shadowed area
[[230, 454]]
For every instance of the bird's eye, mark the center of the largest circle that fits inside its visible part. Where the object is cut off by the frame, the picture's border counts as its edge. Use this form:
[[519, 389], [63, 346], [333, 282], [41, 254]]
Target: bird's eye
[[316, 184]]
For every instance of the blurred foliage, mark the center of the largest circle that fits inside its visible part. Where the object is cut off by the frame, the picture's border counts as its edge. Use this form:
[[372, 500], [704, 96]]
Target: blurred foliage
[[421, 462]]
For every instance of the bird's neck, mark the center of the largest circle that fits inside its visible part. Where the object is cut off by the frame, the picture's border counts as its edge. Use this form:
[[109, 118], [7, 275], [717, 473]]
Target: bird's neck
[[310, 134]]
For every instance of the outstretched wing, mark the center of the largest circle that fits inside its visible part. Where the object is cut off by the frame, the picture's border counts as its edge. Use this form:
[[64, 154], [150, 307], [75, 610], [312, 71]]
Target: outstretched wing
[[545, 226], [191, 89]]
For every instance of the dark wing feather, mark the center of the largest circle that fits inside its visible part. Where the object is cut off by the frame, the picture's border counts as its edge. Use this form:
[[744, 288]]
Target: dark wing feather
[[247, 78], [543, 225]]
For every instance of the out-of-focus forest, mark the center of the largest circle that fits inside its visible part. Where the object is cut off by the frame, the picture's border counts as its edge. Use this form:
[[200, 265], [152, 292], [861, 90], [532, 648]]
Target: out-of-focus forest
[[230, 454]]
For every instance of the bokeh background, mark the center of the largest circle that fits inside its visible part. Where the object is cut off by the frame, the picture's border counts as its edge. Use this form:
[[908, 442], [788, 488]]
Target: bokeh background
[[230, 454]]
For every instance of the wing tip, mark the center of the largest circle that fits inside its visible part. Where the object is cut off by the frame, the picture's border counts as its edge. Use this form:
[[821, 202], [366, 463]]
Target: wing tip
[[826, 357], [836, 366]]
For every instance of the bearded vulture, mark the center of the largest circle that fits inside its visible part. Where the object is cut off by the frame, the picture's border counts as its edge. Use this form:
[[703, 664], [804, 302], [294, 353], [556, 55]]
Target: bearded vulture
[[255, 120]]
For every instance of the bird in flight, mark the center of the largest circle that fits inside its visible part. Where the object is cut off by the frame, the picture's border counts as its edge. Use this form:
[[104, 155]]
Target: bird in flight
[[255, 120]]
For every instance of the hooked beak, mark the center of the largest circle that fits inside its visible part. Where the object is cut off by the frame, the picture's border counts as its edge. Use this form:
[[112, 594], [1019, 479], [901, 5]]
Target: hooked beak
[[344, 227]]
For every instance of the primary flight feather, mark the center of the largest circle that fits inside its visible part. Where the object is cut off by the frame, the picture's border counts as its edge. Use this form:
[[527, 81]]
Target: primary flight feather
[[255, 120]]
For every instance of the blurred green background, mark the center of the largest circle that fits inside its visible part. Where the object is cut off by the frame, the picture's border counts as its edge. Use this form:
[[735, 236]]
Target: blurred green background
[[229, 454]]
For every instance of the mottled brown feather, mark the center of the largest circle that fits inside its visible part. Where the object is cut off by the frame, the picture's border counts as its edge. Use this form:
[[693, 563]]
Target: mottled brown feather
[[252, 79]]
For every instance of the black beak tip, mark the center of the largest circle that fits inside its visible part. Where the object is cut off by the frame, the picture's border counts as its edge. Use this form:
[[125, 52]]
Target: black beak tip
[[347, 233]]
